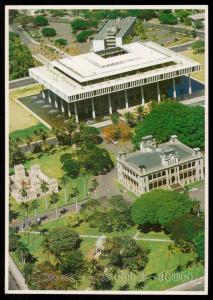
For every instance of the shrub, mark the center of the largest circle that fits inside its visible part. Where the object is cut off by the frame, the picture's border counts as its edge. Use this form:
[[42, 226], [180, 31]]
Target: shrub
[[41, 21], [61, 42], [48, 32], [83, 35], [168, 18]]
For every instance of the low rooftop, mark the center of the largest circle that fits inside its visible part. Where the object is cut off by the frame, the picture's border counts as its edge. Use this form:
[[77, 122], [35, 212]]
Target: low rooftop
[[152, 160], [122, 25]]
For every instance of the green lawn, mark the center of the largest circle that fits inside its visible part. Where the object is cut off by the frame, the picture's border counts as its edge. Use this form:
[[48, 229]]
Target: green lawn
[[51, 166], [154, 235], [159, 258], [23, 133]]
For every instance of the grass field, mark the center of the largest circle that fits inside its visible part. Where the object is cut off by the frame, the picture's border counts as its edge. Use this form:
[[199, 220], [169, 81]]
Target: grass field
[[19, 118], [200, 58], [23, 133], [51, 166], [159, 258]]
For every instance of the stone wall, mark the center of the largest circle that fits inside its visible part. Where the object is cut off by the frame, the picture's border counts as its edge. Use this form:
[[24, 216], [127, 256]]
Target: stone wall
[[29, 148]]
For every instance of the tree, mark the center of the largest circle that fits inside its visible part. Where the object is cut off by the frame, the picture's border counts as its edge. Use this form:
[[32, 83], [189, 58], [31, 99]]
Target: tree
[[13, 13], [139, 29], [198, 46], [20, 58], [95, 184], [64, 180], [185, 227], [13, 239], [34, 206], [74, 220], [182, 14], [54, 198], [24, 194], [48, 32], [41, 21], [27, 271], [70, 166], [115, 118], [72, 262], [83, 35], [129, 117], [61, 42], [83, 174], [12, 214], [46, 246], [198, 24], [45, 189], [168, 18], [94, 159], [123, 252], [140, 112], [23, 20], [159, 207], [169, 118], [199, 242], [63, 240], [22, 252], [100, 281]]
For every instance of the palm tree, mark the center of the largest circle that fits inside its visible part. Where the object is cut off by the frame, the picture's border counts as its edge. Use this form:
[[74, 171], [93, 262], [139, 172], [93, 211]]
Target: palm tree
[[33, 229], [46, 246], [22, 252], [115, 118], [44, 136], [54, 200], [140, 112], [128, 116], [29, 139], [34, 206], [196, 207], [95, 184], [83, 174], [45, 189], [76, 193], [23, 194], [64, 180]]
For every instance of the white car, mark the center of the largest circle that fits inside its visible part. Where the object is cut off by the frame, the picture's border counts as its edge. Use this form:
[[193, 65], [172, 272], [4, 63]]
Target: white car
[[193, 190]]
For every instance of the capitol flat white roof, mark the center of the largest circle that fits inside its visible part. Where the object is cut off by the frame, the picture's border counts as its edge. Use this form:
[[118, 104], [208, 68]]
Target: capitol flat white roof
[[82, 68], [91, 66]]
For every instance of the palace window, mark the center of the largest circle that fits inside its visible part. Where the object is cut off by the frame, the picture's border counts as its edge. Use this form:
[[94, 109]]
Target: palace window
[[193, 163], [164, 181], [150, 186], [159, 174], [163, 173], [189, 165], [172, 170], [185, 175], [181, 176], [155, 184], [159, 183], [194, 172], [184, 166], [154, 176], [150, 177], [180, 168]]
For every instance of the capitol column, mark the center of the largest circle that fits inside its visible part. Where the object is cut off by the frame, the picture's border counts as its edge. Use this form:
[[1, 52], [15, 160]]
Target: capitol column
[[76, 112], [49, 97], [174, 89], [126, 99], [62, 106], [190, 85], [93, 109], [158, 88], [68, 109], [110, 104], [142, 96]]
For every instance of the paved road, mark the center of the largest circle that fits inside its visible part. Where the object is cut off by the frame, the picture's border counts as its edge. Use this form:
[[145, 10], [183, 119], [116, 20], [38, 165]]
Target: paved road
[[25, 38], [193, 285], [181, 48], [199, 195], [51, 215], [21, 82]]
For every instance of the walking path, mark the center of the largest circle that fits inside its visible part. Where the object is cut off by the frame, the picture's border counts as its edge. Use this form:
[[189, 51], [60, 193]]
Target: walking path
[[192, 285], [17, 274]]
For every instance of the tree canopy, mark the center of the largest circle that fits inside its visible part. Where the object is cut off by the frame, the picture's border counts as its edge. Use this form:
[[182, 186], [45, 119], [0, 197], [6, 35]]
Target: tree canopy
[[198, 46], [199, 242], [168, 118], [168, 18], [124, 252], [41, 21], [185, 227], [48, 32], [159, 207], [62, 240], [83, 35], [20, 58]]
